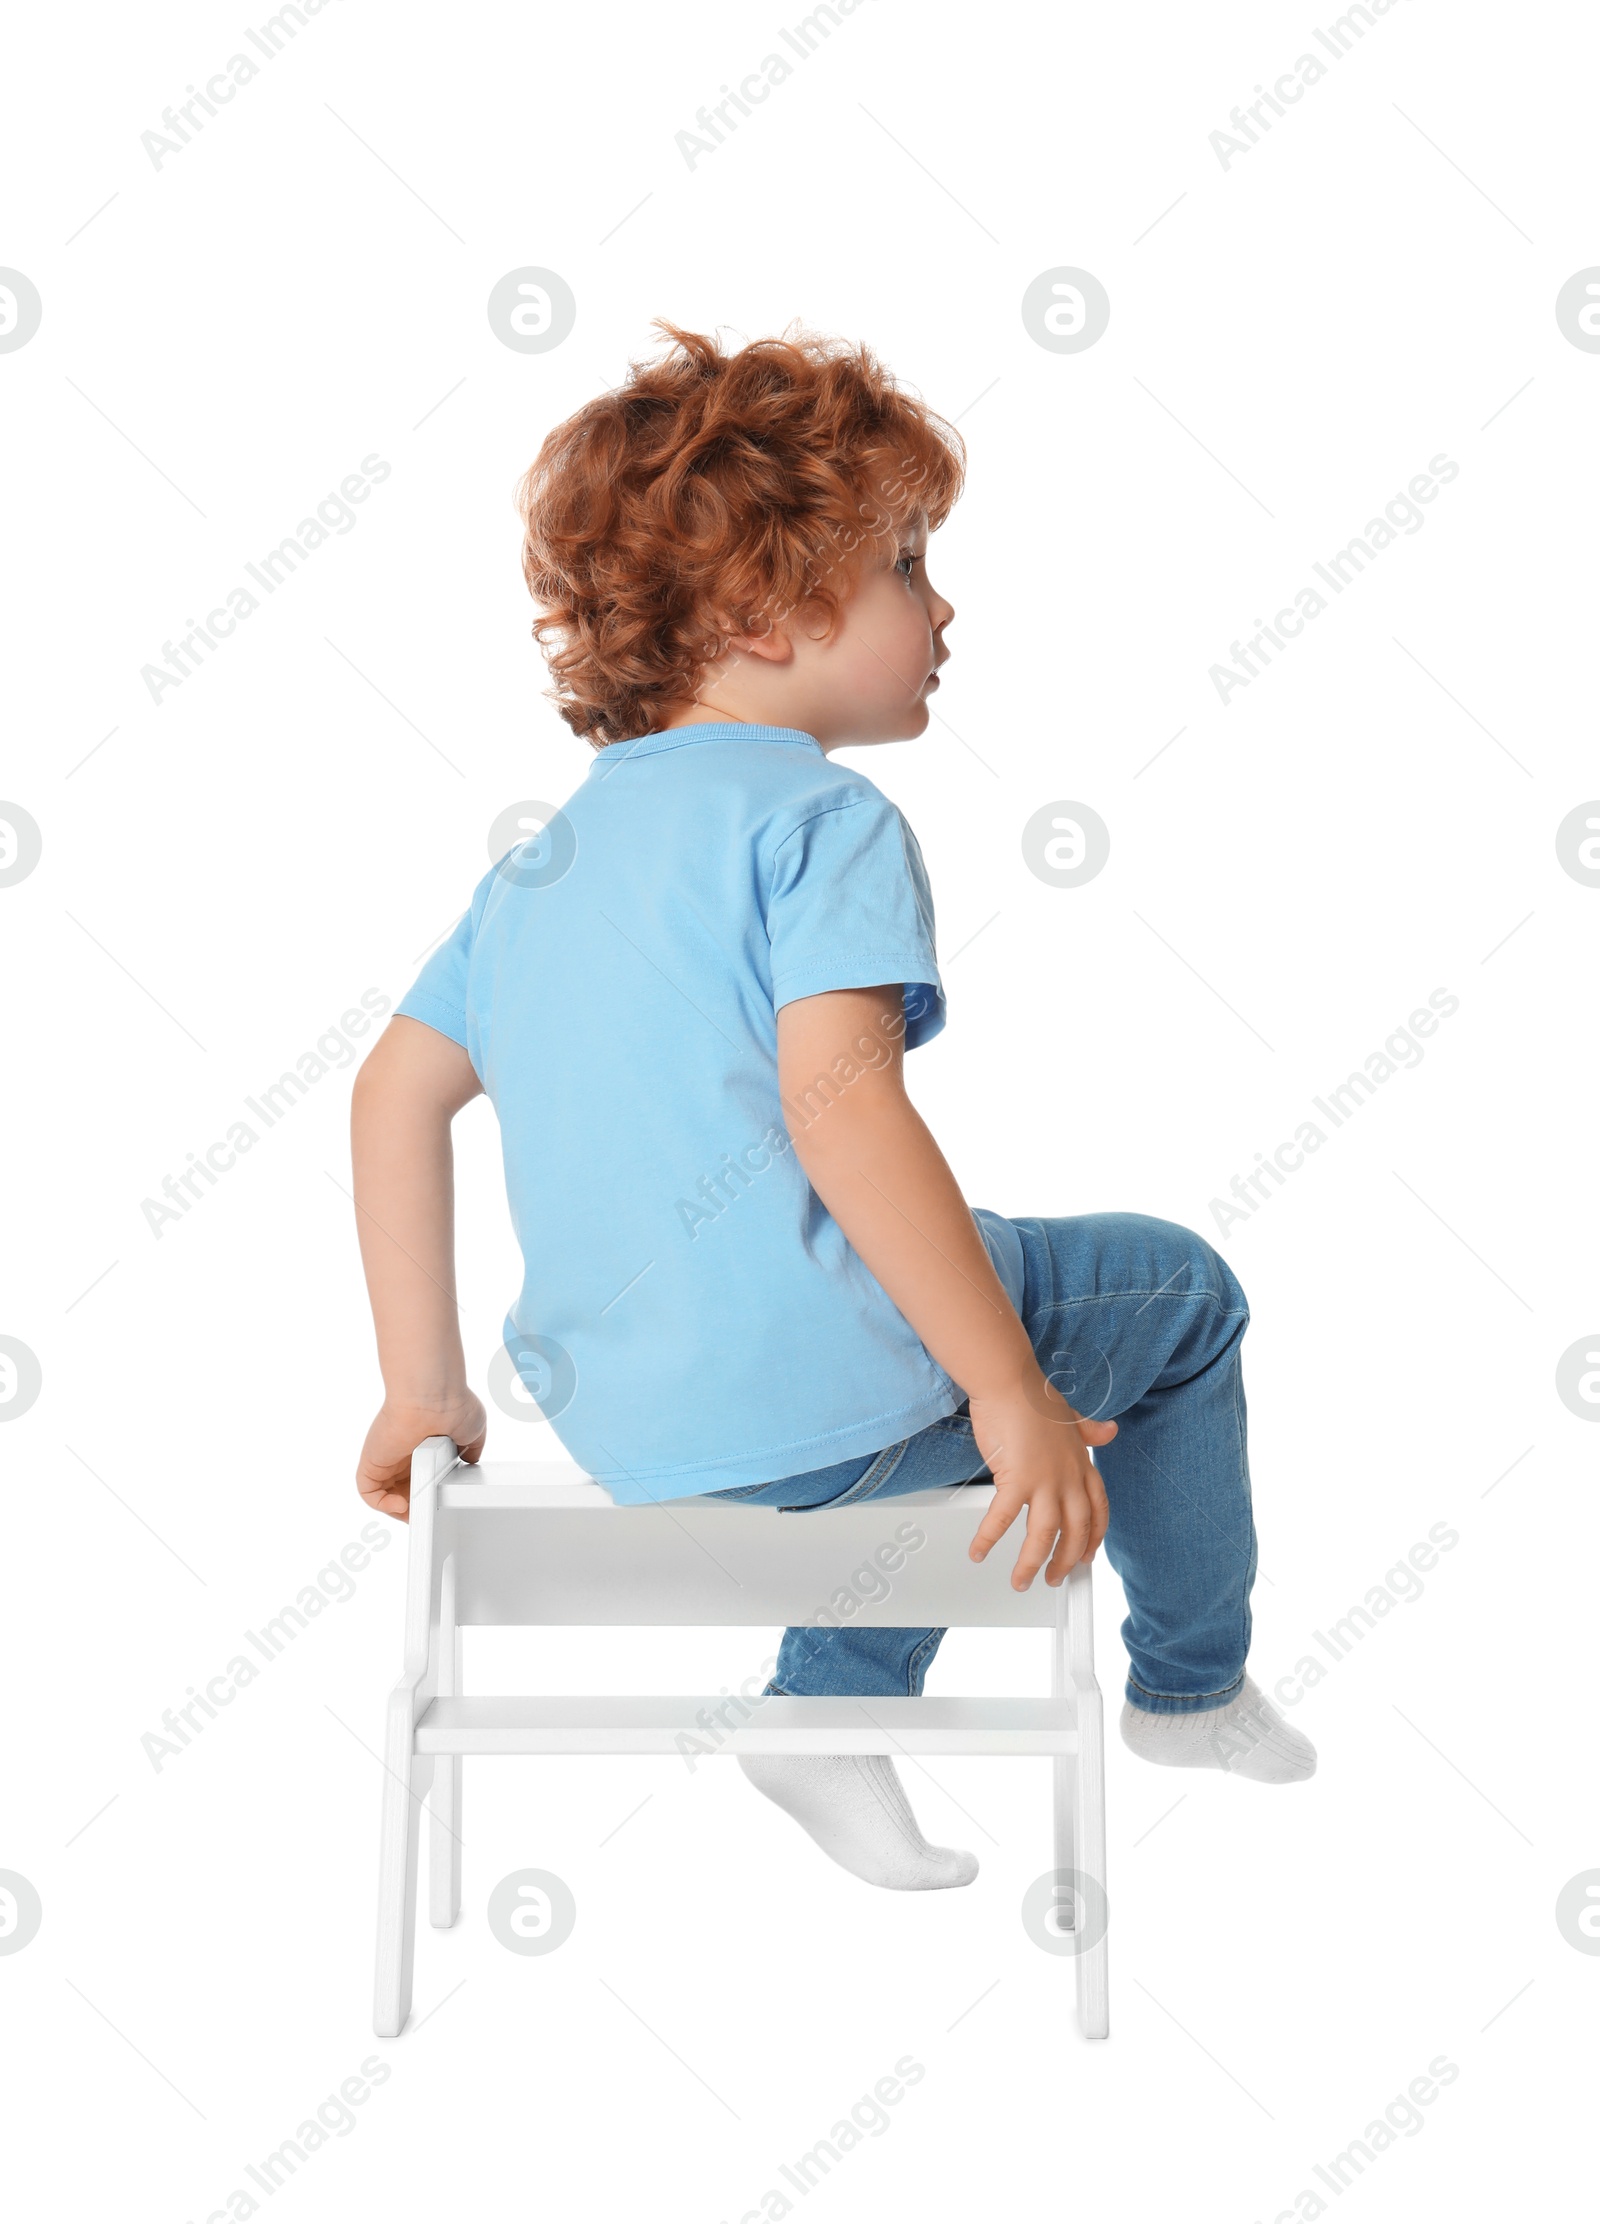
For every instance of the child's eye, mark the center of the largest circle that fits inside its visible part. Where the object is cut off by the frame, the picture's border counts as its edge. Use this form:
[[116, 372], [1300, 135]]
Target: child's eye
[[909, 562]]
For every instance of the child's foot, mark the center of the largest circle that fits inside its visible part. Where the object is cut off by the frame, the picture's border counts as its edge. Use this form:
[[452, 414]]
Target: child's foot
[[1247, 1737], [854, 1807]]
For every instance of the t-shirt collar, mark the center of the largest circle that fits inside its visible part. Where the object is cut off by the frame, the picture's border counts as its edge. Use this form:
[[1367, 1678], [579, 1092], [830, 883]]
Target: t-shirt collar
[[709, 729]]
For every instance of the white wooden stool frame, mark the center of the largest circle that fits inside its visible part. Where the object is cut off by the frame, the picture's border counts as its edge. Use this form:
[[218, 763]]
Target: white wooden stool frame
[[499, 1546]]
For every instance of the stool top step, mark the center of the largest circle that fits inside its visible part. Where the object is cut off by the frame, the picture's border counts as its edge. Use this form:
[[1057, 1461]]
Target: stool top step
[[557, 1486], [522, 1546]]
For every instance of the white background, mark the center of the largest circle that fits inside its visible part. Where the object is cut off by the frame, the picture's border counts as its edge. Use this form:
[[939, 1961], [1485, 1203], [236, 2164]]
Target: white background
[[223, 340]]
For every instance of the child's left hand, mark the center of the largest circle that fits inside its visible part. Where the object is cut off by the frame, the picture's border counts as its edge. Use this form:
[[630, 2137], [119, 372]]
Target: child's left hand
[[383, 1476], [1036, 1446]]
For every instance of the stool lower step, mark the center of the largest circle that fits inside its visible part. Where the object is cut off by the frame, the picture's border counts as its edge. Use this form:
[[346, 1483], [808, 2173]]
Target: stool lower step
[[776, 1725]]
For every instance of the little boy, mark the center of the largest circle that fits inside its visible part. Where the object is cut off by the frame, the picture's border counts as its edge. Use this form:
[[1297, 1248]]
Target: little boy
[[749, 1271]]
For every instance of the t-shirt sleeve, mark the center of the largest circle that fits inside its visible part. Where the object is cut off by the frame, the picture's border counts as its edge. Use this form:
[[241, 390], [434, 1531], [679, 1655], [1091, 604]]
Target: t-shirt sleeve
[[849, 906], [438, 995]]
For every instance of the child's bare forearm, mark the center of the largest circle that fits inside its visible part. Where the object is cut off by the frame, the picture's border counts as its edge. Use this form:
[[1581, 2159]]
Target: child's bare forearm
[[407, 1093], [871, 1159]]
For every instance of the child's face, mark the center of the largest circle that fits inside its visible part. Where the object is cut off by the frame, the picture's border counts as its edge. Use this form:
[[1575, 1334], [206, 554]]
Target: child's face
[[872, 678], [869, 680]]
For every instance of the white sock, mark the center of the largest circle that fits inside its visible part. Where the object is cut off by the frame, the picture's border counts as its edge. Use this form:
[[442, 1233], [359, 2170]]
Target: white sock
[[855, 1808], [1247, 1737]]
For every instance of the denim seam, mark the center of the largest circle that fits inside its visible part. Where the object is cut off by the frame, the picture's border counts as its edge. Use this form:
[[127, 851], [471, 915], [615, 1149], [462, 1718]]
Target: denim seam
[[920, 1655], [1107, 1297], [1197, 1699], [1244, 1466], [877, 1474]]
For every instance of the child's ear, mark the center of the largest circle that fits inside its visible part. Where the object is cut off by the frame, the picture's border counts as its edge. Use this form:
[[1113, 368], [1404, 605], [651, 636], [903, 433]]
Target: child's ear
[[772, 644]]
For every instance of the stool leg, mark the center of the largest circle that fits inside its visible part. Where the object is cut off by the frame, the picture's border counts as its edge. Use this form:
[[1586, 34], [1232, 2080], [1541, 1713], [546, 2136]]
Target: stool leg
[[1089, 1859], [444, 1848], [1063, 1773], [407, 1776], [1074, 1638], [444, 1838]]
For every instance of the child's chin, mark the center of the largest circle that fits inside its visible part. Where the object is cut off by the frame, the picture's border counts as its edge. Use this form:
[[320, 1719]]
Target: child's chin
[[902, 726]]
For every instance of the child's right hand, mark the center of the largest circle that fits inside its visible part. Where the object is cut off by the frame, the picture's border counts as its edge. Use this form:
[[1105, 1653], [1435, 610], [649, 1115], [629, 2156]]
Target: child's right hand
[[384, 1474], [1037, 1449]]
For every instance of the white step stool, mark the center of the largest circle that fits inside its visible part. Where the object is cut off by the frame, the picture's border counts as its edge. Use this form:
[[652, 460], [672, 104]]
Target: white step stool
[[543, 1546]]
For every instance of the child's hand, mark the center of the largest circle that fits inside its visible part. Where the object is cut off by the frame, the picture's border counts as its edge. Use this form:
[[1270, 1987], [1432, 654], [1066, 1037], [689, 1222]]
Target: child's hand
[[384, 1474], [1037, 1449]]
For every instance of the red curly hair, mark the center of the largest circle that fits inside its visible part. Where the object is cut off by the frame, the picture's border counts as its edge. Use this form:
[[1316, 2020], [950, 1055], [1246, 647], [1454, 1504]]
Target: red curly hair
[[707, 497]]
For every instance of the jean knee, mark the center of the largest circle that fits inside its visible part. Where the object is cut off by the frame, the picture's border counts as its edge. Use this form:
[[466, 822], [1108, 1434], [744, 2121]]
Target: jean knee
[[1189, 1261]]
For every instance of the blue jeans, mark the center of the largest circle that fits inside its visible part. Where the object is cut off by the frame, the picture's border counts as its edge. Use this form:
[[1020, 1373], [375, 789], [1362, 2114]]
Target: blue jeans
[[1134, 1320]]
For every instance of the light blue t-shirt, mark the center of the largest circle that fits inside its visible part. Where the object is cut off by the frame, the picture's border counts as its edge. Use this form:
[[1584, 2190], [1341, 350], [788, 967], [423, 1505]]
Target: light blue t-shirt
[[692, 1316]]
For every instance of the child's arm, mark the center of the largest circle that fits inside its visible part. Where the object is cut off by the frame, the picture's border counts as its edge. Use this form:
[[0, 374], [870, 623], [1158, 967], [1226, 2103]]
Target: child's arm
[[411, 1087], [871, 1160]]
